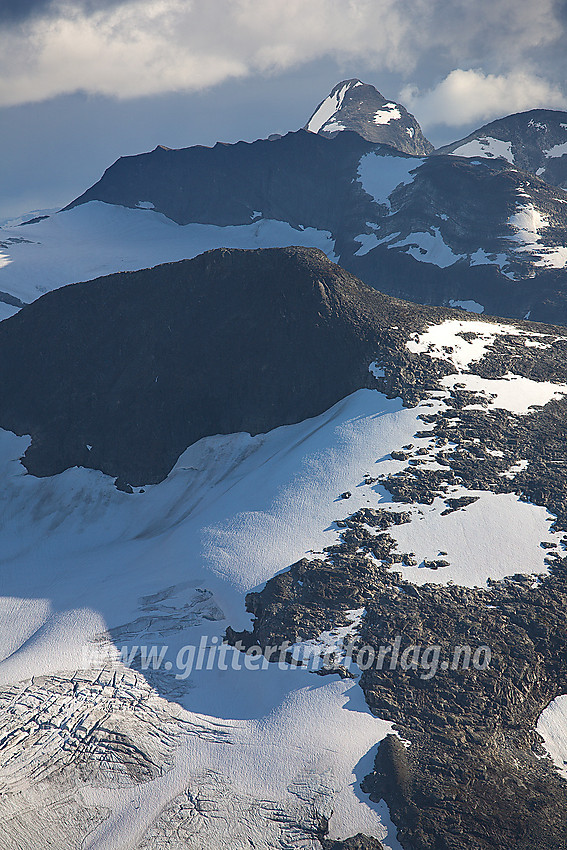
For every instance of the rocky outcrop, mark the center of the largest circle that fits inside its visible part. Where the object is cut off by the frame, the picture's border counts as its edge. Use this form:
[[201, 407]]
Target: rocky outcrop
[[468, 770]]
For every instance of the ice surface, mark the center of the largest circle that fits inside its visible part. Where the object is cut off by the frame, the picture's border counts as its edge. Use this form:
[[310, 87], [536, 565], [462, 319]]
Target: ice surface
[[95, 239], [314, 739], [79, 556]]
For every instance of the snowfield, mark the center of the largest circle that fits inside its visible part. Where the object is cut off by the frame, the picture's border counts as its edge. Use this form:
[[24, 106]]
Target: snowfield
[[171, 566], [96, 239]]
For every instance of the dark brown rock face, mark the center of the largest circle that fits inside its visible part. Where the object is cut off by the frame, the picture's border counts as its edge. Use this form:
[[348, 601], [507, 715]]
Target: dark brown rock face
[[140, 365]]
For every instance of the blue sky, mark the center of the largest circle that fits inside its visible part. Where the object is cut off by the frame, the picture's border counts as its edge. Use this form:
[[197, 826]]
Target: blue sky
[[82, 83]]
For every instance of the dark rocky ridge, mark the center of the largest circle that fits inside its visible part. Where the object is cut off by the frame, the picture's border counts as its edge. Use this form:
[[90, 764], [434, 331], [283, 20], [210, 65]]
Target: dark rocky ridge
[[531, 134], [309, 180], [300, 177], [357, 111], [140, 365]]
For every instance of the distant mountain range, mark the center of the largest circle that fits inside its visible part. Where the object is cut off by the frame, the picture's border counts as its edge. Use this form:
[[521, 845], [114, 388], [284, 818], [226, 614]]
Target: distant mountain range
[[480, 224]]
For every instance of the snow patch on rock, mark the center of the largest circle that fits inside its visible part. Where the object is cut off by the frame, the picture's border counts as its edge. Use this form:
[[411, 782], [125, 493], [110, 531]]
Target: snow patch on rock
[[328, 108], [498, 527], [380, 173], [486, 147], [552, 726], [428, 247], [556, 151], [389, 112], [469, 306]]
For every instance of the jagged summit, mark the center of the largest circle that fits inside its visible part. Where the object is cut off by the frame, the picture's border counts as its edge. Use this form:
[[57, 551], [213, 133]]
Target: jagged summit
[[354, 105]]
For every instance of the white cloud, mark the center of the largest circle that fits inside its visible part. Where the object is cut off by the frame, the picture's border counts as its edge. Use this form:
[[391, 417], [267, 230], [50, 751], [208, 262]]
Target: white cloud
[[464, 97], [144, 47], [150, 46]]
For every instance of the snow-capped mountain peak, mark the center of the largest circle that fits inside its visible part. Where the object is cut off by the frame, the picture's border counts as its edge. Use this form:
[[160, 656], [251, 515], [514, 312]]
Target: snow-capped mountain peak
[[534, 141], [354, 105]]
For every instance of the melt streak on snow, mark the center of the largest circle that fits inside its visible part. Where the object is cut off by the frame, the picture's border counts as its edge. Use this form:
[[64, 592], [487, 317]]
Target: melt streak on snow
[[96, 239]]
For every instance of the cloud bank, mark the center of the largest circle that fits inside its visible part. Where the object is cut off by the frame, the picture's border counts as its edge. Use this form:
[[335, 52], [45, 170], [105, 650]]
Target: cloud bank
[[134, 48], [467, 96]]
